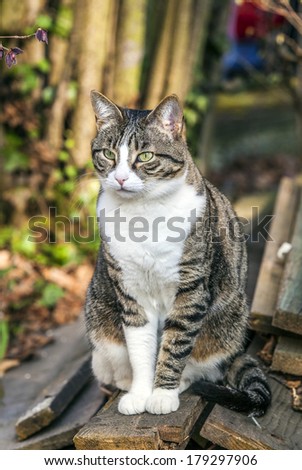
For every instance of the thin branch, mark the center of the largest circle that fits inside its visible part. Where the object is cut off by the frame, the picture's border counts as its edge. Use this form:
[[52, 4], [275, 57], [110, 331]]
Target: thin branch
[[18, 37], [283, 8]]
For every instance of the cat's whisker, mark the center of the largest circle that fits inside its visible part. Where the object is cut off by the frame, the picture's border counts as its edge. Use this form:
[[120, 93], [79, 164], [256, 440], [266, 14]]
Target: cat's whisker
[[255, 422]]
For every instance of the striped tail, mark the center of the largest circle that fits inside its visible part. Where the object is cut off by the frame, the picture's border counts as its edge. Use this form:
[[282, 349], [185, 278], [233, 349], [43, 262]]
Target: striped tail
[[248, 392]]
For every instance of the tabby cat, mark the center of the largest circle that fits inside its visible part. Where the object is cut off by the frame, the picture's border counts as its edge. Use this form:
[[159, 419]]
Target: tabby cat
[[166, 307]]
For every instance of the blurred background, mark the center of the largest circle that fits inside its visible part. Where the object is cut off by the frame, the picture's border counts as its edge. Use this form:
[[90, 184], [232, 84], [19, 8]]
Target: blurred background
[[236, 66]]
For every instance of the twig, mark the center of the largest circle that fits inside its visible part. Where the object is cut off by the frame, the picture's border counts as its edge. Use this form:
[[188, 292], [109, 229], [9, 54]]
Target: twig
[[282, 8], [18, 37]]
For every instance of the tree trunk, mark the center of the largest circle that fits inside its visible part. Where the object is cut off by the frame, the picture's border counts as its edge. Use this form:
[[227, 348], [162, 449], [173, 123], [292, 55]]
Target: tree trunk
[[62, 56], [159, 69], [91, 60], [217, 24], [181, 43], [130, 51], [111, 47]]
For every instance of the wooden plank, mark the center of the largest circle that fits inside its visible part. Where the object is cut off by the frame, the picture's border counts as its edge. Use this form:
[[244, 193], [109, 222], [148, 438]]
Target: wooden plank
[[111, 430], [288, 356], [60, 433], [55, 398], [288, 315], [266, 293], [281, 427], [19, 387]]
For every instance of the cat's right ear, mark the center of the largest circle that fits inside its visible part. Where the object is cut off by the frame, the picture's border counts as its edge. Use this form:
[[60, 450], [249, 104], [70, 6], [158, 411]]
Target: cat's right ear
[[106, 112]]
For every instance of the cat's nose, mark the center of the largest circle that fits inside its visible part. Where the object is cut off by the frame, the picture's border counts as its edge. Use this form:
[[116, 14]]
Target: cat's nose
[[121, 181]]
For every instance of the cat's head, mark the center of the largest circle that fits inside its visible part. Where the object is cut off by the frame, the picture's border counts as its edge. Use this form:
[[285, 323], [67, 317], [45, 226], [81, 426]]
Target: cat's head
[[139, 153]]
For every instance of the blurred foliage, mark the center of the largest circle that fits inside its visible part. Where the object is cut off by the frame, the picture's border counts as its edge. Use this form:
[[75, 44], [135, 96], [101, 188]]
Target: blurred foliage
[[51, 293], [4, 336], [54, 178]]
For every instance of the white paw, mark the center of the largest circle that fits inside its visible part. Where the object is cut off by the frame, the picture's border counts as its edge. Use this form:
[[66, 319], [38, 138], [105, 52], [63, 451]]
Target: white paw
[[162, 401], [132, 404]]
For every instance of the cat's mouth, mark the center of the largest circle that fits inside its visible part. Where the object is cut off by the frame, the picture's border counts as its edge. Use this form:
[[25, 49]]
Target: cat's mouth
[[125, 192]]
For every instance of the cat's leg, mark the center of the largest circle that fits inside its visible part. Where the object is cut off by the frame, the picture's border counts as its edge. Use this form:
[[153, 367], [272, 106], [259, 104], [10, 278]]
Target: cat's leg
[[141, 345], [210, 369], [101, 366], [181, 328], [110, 363]]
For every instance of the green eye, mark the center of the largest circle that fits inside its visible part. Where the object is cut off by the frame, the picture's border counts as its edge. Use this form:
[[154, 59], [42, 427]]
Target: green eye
[[108, 154], [145, 157]]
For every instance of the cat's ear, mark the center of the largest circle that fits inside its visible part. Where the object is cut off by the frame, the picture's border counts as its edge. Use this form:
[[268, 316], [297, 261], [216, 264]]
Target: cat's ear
[[106, 112], [168, 116]]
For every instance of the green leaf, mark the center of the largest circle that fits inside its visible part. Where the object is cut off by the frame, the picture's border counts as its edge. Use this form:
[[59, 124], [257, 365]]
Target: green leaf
[[4, 337], [21, 244], [50, 295], [5, 236], [48, 94], [64, 22], [63, 156], [44, 21], [71, 171], [43, 65], [15, 160]]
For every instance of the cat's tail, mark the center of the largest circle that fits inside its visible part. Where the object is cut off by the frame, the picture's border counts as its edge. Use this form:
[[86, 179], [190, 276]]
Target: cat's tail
[[248, 391]]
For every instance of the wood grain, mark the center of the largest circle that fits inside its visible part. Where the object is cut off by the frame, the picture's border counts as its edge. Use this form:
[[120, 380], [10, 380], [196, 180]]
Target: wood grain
[[267, 287], [54, 398], [59, 434], [111, 430], [20, 387], [287, 356], [281, 427], [288, 315]]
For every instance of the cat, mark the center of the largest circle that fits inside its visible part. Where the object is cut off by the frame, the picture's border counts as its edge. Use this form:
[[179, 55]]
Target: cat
[[166, 307]]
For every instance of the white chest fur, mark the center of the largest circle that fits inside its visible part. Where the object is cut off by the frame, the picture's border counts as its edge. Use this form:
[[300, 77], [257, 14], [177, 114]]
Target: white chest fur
[[147, 238]]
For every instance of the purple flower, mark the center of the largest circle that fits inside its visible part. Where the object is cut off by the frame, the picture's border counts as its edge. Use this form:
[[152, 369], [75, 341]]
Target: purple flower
[[41, 35], [1, 52], [10, 58], [17, 50]]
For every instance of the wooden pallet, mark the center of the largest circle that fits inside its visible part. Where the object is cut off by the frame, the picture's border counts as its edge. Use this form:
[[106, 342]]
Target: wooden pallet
[[38, 377], [111, 430], [281, 426], [288, 356], [271, 269], [277, 303], [288, 314]]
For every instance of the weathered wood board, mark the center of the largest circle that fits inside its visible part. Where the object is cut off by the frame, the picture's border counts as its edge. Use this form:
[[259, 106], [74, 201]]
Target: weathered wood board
[[20, 387], [271, 270], [287, 356], [111, 430], [288, 315], [281, 427], [55, 397], [60, 433]]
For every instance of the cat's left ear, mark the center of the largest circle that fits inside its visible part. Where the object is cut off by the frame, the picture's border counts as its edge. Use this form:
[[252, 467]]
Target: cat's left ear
[[168, 116]]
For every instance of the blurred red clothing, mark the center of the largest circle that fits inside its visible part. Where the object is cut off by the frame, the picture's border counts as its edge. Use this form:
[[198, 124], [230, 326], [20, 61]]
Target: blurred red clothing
[[248, 21]]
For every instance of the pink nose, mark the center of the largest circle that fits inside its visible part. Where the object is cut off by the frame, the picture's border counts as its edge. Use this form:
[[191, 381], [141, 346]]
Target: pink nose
[[121, 181]]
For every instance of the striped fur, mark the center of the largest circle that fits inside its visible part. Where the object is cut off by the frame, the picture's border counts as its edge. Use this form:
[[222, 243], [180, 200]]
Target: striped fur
[[163, 314]]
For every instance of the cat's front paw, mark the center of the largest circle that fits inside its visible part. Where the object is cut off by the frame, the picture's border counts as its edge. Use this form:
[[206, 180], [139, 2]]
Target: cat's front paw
[[162, 401], [132, 404]]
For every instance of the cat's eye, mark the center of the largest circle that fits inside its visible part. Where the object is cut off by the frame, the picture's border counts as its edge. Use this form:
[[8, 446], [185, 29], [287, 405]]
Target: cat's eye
[[108, 154], [145, 157]]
